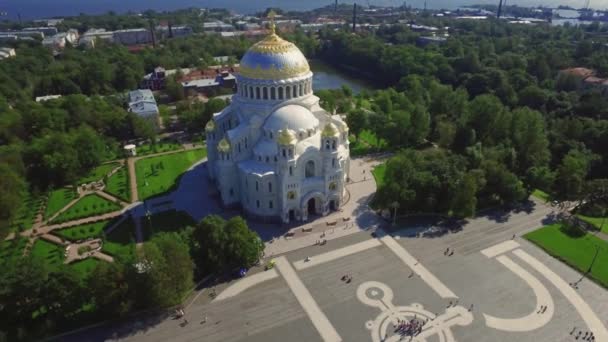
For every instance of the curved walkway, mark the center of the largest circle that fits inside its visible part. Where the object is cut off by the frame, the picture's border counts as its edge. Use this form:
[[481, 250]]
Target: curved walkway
[[533, 320], [584, 310], [246, 283]]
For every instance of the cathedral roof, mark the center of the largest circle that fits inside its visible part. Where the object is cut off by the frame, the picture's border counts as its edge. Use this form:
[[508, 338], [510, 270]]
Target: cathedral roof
[[293, 117], [273, 58]]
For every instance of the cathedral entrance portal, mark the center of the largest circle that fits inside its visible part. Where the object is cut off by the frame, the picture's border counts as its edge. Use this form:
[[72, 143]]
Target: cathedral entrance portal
[[332, 205], [292, 215], [312, 208]]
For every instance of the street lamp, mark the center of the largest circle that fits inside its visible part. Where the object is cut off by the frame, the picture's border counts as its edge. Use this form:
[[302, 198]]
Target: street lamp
[[395, 206]]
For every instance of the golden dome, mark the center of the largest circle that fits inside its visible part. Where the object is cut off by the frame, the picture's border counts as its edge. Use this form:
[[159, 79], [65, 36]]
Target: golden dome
[[330, 130], [286, 137], [273, 58]]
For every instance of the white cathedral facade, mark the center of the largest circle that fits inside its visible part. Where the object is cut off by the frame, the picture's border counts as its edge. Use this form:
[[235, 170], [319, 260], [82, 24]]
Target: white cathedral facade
[[274, 151]]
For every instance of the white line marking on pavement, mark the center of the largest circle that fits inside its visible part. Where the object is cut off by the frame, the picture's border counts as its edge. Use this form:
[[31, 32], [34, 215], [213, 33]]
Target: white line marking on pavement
[[246, 283], [336, 254], [500, 248], [590, 318], [533, 320], [318, 318], [417, 267]]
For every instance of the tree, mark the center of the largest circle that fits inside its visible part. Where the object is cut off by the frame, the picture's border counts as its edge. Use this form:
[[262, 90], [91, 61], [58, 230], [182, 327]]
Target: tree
[[465, 200], [174, 89], [357, 120], [533, 97], [168, 270], [529, 139], [113, 296], [420, 125], [220, 244], [11, 195], [571, 174]]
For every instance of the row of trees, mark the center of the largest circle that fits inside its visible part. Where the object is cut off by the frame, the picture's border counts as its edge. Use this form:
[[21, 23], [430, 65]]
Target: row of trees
[[490, 104], [38, 301]]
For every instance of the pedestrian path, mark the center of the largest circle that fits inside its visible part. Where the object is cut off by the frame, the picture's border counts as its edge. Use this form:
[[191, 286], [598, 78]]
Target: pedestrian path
[[319, 320]]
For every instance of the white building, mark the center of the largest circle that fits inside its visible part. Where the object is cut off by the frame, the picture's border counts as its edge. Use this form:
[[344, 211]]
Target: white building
[[132, 36], [6, 52], [274, 151], [143, 103]]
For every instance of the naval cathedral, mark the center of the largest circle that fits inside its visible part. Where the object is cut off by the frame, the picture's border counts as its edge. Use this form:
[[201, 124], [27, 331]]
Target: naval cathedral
[[274, 151]]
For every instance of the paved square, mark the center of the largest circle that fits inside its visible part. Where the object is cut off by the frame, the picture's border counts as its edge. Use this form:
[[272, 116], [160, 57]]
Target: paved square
[[491, 288]]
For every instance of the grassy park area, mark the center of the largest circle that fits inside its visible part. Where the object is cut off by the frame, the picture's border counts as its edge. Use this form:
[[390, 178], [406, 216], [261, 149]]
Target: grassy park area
[[121, 240], [541, 195], [167, 221], [10, 250], [574, 247], [85, 231], [378, 173], [52, 254], [159, 147], [600, 222], [98, 173], [26, 213], [118, 185], [58, 199], [367, 142], [157, 175], [89, 205]]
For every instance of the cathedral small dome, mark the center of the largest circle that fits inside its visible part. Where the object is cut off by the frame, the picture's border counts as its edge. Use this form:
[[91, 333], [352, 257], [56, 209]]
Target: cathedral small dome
[[223, 146], [286, 137], [293, 117], [330, 130], [273, 59], [210, 126]]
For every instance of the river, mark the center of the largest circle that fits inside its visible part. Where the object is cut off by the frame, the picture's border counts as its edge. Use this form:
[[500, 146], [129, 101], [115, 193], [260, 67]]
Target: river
[[328, 77]]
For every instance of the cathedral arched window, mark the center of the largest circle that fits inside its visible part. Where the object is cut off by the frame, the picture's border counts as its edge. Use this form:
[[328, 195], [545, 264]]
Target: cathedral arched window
[[332, 186], [257, 186], [267, 159], [300, 89], [295, 89], [265, 92], [273, 93], [280, 93], [251, 95], [291, 171], [327, 144], [257, 203], [270, 205], [333, 162], [270, 135], [333, 144], [288, 92], [284, 154], [239, 147], [257, 92], [269, 186], [309, 170], [275, 159]]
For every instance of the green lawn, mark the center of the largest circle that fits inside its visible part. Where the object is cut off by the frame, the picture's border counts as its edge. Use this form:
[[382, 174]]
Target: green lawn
[[157, 175], [157, 148], [378, 173], [118, 185], [89, 205], [167, 221], [120, 241], [600, 222], [26, 214], [58, 199], [12, 249], [541, 195], [85, 231], [577, 250], [86, 266], [98, 173], [367, 142], [52, 254]]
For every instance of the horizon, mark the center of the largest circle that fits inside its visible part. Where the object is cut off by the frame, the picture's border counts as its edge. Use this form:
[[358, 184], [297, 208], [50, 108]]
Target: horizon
[[38, 9]]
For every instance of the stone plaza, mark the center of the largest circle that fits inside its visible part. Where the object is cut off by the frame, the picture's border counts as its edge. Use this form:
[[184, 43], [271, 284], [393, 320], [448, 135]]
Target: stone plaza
[[492, 288]]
